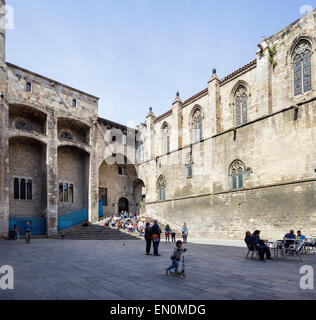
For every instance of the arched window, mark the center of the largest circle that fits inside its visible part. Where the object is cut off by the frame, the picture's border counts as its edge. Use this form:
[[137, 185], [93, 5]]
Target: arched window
[[161, 186], [29, 186], [165, 139], [23, 189], [241, 105], [22, 125], [61, 192], [28, 87], [16, 185], [197, 125], [65, 135], [74, 103], [237, 171], [302, 67]]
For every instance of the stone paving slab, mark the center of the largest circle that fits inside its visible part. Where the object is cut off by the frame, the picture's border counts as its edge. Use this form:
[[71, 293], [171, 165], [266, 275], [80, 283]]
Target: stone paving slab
[[120, 270]]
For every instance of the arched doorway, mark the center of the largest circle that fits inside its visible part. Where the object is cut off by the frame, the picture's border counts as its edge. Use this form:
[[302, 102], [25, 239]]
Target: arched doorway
[[123, 205]]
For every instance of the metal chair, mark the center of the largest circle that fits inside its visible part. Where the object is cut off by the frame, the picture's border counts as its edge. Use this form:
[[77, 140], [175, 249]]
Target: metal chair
[[295, 249], [252, 249]]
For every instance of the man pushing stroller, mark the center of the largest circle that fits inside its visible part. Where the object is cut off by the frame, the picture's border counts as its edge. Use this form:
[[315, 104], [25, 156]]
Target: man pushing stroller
[[176, 257]]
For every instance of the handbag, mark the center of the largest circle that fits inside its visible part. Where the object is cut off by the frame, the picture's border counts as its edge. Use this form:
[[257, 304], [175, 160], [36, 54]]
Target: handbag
[[155, 237]]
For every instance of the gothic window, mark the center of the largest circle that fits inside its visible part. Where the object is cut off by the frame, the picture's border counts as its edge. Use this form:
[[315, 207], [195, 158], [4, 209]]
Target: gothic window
[[22, 125], [28, 87], [66, 192], [197, 126], [241, 105], [237, 170], [22, 189], [66, 135], [165, 139], [74, 103], [189, 165], [16, 185], [61, 192], [302, 67], [29, 195], [71, 193], [161, 185]]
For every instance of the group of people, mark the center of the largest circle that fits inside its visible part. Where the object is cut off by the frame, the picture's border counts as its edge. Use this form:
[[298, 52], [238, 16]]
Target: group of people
[[127, 221], [254, 241], [27, 230]]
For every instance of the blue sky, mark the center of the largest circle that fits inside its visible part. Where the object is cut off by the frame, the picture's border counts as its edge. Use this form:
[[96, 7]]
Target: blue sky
[[136, 54]]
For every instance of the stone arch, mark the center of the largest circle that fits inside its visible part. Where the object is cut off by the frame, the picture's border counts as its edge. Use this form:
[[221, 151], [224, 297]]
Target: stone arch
[[127, 196], [27, 182], [79, 130], [34, 118], [139, 192]]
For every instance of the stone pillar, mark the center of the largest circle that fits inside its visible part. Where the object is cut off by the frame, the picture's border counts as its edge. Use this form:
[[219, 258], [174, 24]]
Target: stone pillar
[[177, 124], [214, 105], [4, 132], [93, 179], [264, 80], [52, 174], [150, 135]]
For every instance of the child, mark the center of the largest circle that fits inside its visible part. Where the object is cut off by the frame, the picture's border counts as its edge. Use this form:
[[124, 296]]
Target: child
[[176, 257]]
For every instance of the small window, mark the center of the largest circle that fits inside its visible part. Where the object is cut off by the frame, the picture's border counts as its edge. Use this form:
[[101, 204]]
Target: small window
[[74, 103], [22, 125], [28, 87], [16, 189], [66, 192], [190, 171], [120, 171], [29, 190], [71, 193], [61, 192], [23, 189], [66, 135]]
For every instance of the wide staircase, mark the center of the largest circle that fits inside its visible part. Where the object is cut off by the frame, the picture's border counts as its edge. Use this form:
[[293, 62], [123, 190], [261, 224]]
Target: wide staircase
[[95, 232]]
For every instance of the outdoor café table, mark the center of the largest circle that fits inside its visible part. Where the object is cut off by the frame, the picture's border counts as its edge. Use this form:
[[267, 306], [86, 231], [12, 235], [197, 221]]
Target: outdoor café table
[[274, 246], [277, 246]]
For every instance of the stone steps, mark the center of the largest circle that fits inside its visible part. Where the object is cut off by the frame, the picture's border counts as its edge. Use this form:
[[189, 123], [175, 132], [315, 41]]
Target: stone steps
[[95, 232]]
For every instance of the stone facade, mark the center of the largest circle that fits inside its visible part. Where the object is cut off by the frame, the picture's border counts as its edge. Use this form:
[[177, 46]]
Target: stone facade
[[238, 155], [254, 167]]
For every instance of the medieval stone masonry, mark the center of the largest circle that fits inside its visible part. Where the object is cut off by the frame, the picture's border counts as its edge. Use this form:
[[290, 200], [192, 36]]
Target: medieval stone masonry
[[239, 155]]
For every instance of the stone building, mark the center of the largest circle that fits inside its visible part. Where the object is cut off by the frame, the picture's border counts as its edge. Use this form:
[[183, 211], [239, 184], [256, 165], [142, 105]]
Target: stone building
[[241, 154], [238, 155], [59, 162]]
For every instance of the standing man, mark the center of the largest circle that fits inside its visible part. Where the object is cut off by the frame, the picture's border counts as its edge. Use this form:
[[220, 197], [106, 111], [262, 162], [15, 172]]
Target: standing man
[[28, 231], [148, 238], [185, 233], [156, 237]]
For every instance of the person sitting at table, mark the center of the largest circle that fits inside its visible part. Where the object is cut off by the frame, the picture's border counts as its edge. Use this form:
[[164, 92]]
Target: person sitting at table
[[261, 246], [289, 237], [300, 236]]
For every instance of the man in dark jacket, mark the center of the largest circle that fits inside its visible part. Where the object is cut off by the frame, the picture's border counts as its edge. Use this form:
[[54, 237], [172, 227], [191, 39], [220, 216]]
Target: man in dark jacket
[[260, 245], [156, 237], [28, 230], [148, 238]]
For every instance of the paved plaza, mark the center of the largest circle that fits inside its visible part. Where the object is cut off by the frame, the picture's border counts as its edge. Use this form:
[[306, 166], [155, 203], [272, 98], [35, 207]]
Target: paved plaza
[[55, 269]]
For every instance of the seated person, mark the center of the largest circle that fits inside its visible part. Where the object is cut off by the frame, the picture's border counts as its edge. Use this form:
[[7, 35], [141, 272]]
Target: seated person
[[85, 223], [300, 236], [289, 237], [260, 245], [248, 239]]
